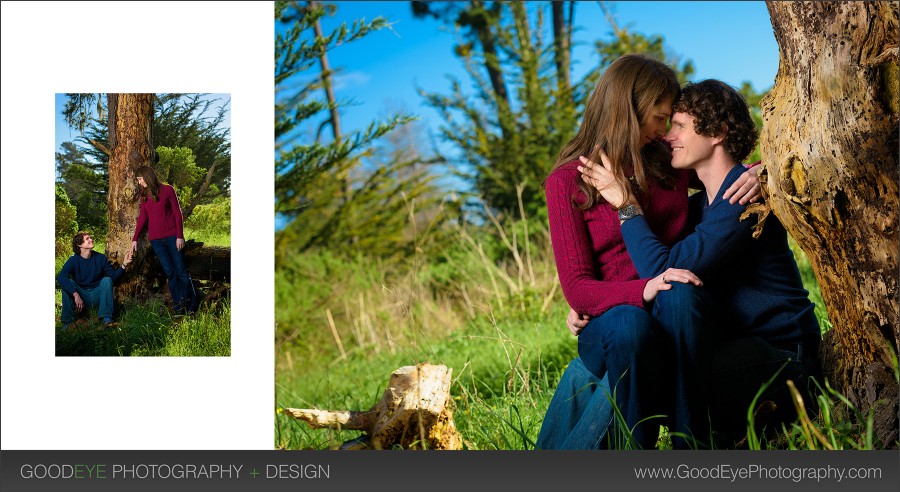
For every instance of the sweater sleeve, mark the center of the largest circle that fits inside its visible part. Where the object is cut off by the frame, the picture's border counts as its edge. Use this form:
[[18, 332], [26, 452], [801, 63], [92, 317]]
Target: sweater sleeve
[[176, 212], [718, 238], [65, 276], [141, 222], [110, 271], [575, 264]]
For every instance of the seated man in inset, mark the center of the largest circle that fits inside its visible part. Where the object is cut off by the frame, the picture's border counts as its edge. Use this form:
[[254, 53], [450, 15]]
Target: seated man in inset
[[87, 278]]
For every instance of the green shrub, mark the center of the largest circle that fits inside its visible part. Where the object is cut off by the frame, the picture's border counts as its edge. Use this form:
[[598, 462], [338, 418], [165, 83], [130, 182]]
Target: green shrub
[[66, 225], [212, 218]]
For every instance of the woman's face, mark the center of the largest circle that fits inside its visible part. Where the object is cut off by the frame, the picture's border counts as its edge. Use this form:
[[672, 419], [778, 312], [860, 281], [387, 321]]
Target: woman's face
[[654, 125], [140, 180]]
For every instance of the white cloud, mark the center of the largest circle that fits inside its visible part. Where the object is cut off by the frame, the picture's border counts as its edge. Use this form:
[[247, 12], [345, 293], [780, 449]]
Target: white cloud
[[350, 79]]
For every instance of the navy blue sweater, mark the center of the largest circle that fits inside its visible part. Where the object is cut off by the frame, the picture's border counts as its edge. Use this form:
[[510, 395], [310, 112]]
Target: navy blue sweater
[[755, 283], [86, 273]]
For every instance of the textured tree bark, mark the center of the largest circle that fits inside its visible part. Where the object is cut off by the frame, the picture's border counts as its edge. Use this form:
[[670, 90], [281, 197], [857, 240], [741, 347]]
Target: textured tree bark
[[829, 141], [131, 146]]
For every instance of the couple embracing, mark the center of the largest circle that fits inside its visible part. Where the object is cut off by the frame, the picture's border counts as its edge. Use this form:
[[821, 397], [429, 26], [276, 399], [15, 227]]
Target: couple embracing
[[681, 315]]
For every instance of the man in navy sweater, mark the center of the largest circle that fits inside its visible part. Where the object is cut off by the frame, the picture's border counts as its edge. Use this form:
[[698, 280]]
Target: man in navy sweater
[[751, 321], [87, 278]]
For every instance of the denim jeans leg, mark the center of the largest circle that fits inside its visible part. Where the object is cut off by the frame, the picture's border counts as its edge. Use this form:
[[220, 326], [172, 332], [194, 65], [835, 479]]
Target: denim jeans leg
[[167, 253], [579, 413], [685, 315], [741, 369], [102, 297], [625, 343], [68, 305], [186, 286]]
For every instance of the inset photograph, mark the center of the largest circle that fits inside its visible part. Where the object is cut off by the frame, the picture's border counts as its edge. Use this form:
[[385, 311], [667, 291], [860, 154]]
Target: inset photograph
[[143, 224]]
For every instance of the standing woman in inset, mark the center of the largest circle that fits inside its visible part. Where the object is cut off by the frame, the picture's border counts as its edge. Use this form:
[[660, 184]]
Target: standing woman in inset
[[161, 214]]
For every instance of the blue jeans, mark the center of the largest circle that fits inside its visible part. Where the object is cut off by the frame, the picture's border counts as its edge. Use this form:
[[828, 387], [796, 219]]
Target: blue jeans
[[742, 366], [626, 345], [658, 364], [580, 411], [100, 296], [172, 261], [686, 315]]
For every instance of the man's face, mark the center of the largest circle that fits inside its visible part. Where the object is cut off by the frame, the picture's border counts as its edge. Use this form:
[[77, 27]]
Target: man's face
[[654, 124], [688, 148], [87, 242]]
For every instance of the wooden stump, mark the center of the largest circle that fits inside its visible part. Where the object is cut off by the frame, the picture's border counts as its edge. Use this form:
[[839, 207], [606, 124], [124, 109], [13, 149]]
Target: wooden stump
[[413, 413]]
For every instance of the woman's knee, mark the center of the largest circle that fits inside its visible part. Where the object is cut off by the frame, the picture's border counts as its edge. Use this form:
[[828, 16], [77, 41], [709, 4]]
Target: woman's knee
[[624, 329], [680, 296]]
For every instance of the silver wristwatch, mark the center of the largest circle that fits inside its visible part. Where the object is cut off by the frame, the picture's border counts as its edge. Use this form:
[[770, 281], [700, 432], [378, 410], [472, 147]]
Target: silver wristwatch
[[629, 212]]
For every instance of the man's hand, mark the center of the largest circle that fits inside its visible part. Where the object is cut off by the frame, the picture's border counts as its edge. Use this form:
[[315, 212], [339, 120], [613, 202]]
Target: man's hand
[[744, 189], [576, 322], [78, 302], [179, 243], [662, 282], [127, 259]]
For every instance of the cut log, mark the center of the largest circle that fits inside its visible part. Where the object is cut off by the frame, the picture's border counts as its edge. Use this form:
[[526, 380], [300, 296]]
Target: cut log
[[208, 262], [203, 262], [414, 413]]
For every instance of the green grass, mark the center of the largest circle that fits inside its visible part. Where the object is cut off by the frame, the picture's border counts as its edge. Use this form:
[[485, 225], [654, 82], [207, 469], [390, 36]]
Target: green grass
[[503, 335], [208, 238], [148, 328], [503, 378]]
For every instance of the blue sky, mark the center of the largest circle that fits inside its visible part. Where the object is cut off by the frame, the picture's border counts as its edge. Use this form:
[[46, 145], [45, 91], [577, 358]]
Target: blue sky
[[731, 41]]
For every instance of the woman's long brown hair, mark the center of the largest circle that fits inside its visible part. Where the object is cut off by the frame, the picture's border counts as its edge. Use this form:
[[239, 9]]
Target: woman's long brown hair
[[625, 94], [151, 180]]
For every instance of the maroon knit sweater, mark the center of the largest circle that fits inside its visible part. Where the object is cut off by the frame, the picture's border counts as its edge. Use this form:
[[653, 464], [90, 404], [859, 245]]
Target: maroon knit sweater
[[164, 215], [595, 270]]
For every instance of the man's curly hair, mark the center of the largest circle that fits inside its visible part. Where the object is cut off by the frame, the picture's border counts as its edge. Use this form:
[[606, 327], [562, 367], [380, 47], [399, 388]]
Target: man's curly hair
[[718, 109]]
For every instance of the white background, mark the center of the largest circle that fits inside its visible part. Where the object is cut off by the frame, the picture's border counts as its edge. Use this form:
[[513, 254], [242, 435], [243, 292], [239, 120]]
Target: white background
[[50, 402]]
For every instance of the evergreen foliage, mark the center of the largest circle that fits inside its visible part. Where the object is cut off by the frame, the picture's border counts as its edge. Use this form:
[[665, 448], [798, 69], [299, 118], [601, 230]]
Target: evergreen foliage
[[180, 120], [85, 183], [212, 218], [178, 167], [509, 133], [66, 223], [342, 193]]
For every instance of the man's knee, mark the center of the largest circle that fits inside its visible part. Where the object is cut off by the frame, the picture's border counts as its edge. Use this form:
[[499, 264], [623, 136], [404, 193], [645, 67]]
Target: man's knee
[[106, 285]]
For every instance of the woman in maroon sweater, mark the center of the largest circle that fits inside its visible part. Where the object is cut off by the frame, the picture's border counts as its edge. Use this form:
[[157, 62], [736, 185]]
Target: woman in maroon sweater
[[161, 214], [625, 117]]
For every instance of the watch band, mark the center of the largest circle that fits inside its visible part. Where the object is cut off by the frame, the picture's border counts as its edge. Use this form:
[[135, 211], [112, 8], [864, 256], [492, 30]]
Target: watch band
[[628, 212]]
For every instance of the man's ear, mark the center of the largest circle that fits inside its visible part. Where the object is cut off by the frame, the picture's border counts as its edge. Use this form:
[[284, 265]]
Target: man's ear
[[723, 131]]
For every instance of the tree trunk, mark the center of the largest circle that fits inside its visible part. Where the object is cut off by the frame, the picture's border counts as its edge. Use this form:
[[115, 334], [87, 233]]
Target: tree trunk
[[487, 38], [131, 146], [561, 49], [829, 141]]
